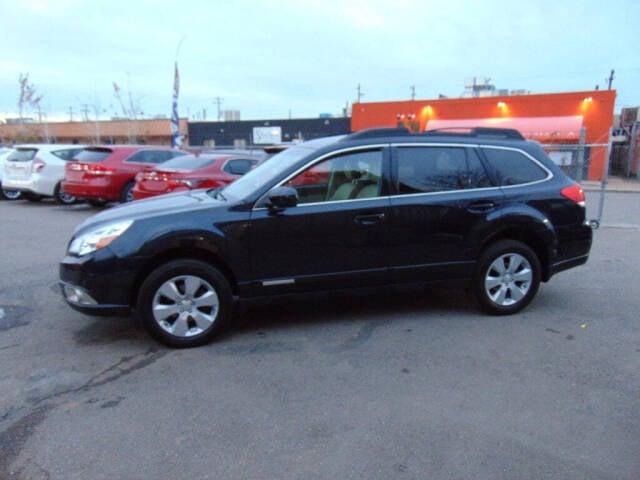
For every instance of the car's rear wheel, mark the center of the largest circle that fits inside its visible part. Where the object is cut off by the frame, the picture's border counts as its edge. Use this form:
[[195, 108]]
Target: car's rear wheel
[[507, 277], [185, 303], [10, 194], [62, 197], [126, 195]]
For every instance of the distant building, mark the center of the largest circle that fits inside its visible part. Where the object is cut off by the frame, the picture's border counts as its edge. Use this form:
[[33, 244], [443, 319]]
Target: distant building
[[156, 132], [261, 132]]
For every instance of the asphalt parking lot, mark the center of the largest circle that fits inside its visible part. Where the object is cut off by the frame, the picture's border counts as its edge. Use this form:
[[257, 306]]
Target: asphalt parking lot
[[411, 385]]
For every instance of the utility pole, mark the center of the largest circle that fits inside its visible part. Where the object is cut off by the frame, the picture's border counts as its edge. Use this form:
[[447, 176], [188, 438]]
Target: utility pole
[[218, 102], [70, 113], [611, 77], [413, 92], [85, 111], [360, 94]]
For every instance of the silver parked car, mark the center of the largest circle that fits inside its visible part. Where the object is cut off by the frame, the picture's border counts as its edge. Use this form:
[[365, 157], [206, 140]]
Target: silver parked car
[[38, 170]]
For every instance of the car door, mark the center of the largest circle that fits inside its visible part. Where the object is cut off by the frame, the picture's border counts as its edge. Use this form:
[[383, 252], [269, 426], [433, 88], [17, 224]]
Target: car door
[[332, 238], [443, 198]]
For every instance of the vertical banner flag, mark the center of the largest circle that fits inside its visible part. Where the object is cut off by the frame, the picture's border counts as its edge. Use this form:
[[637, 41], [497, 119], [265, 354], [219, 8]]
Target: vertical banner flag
[[176, 139]]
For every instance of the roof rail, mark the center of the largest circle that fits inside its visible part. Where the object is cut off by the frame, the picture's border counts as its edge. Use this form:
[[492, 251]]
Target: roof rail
[[378, 132], [501, 133]]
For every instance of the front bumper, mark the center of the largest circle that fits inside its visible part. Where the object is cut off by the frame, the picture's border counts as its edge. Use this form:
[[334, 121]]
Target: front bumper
[[98, 284]]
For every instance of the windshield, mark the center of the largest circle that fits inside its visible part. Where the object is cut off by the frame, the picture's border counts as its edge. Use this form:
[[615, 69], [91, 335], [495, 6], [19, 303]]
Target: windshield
[[268, 172]]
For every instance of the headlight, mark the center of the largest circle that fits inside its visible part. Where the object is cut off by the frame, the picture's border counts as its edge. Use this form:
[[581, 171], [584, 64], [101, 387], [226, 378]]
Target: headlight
[[99, 238]]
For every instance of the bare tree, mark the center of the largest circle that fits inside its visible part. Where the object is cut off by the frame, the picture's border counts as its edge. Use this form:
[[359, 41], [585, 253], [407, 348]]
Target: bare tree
[[28, 96]]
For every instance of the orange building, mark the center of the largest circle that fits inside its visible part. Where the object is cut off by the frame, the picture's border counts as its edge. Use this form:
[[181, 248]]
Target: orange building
[[555, 118], [152, 132]]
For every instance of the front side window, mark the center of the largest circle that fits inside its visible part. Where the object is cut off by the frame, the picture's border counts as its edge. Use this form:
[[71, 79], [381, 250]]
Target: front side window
[[438, 169], [511, 167], [350, 176]]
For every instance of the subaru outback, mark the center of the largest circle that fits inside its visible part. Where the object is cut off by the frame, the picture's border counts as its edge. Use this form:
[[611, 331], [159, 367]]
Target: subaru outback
[[483, 209]]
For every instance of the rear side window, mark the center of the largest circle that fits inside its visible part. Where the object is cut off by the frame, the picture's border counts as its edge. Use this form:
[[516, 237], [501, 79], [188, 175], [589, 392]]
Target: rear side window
[[23, 155], [153, 156], [93, 155], [437, 169], [66, 154], [511, 167]]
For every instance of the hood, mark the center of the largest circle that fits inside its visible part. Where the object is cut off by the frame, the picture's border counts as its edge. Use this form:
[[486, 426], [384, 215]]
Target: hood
[[153, 207]]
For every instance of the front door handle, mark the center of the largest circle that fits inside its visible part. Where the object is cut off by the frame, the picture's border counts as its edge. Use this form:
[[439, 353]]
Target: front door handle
[[370, 219], [482, 206]]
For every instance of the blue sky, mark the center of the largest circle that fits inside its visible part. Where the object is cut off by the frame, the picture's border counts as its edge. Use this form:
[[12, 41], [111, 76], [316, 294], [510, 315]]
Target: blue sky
[[275, 58]]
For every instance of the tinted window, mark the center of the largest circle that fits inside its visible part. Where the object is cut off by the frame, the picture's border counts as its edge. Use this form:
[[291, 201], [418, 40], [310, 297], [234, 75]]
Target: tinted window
[[239, 166], [187, 162], [345, 177], [149, 156], [513, 168], [67, 154], [436, 169], [93, 155]]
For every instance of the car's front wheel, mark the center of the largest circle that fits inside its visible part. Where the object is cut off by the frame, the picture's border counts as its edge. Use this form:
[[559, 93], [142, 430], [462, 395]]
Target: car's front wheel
[[185, 303], [507, 277]]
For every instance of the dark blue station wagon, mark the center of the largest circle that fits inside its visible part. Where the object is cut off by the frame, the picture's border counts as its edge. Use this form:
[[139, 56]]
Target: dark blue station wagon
[[481, 209]]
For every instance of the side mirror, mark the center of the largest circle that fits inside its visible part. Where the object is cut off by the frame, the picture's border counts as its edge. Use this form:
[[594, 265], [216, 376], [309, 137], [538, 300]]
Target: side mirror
[[282, 197]]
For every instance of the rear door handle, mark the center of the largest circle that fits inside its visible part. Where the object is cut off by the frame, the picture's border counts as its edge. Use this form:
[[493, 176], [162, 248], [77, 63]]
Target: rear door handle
[[369, 219]]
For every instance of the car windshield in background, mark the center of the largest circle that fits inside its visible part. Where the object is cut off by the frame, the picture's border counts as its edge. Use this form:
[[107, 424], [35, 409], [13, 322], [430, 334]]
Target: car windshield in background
[[93, 155], [187, 162], [267, 172], [23, 154]]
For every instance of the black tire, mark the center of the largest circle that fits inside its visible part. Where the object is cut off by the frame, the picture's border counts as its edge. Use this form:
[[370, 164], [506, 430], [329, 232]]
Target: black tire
[[96, 202], [126, 194], [507, 277], [10, 194], [198, 308], [32, 197], [62, 197]]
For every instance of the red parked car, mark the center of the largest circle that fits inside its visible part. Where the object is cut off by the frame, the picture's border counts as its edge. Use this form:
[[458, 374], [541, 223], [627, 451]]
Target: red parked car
[[100, 174], [191, 172]]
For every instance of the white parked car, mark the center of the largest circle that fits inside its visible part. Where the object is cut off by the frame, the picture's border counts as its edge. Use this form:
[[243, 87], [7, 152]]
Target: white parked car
[[4, 193], [38, 170]]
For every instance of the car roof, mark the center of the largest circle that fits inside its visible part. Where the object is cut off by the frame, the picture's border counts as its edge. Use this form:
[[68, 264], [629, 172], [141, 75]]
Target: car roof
[[48, 146]]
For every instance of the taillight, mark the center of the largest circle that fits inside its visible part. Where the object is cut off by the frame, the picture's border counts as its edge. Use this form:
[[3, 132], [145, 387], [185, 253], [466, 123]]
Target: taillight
[[574, 193], [99, 169], [76, 167], [37, 165], [182, 182]]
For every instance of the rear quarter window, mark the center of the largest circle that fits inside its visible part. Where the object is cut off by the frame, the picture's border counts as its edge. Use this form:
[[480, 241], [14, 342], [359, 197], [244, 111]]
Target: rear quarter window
[[511, 167]]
